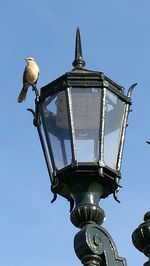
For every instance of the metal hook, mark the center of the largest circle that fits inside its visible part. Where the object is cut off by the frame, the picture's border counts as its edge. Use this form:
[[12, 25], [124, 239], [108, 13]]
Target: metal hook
[[54, 186], [33, 113], [116, 190], [54, 197], [131, 89]]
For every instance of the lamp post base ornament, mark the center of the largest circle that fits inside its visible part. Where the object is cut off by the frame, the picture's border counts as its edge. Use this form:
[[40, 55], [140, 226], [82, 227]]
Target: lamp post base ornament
[[93, 245]]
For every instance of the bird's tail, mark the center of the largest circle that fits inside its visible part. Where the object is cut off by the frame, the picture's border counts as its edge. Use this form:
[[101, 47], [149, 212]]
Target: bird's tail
[[23, 93]]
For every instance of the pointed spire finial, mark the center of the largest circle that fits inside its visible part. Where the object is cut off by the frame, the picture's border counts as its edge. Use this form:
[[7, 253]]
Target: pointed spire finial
[[78, 61]]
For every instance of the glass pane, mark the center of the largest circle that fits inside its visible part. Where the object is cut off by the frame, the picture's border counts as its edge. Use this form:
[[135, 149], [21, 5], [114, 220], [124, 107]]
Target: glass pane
[[86, 107], [45, 150], [113, 123], [55, 119]]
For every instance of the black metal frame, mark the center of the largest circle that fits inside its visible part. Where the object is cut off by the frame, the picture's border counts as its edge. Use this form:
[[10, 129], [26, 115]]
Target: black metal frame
[[85, 79]]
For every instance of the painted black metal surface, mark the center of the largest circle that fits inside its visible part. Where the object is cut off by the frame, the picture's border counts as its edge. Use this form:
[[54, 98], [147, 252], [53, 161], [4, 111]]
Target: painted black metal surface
[[78, 63], [141, 237], [94, 246]]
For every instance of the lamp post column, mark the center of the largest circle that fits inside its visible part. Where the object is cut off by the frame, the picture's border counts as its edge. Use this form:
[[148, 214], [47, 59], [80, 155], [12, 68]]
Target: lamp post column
[[93, 245], [87, 215]]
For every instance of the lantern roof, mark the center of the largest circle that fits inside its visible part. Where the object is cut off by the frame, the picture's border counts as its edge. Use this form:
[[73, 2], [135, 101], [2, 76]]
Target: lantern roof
[[81, 77]]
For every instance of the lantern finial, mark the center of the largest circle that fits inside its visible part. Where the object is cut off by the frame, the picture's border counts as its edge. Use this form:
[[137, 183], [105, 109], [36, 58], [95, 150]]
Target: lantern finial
[[78, 61]]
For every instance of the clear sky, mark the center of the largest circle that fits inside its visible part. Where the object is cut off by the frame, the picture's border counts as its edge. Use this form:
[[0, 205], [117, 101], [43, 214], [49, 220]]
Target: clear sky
[[116, 40]]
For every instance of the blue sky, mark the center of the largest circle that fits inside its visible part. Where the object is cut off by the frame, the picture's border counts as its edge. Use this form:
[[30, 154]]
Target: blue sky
[[116, 40]]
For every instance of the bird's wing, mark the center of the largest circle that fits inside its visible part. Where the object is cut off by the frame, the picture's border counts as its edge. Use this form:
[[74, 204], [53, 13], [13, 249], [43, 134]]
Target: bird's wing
[[37, 77], [24, 75]]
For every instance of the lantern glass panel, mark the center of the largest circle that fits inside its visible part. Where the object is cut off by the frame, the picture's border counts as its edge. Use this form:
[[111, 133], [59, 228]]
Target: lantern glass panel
[[86, 110], [55, 120], [113, 124], [46, 151]]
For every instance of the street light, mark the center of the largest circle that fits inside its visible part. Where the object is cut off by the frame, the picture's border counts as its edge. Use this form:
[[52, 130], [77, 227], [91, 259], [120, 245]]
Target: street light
[[81, 118]]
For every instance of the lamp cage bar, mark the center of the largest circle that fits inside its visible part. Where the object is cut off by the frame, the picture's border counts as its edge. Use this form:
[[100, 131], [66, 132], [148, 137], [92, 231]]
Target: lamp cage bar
[[71, 128]]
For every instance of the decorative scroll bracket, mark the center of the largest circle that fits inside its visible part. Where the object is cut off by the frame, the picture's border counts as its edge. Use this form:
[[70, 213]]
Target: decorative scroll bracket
[[94, 246]]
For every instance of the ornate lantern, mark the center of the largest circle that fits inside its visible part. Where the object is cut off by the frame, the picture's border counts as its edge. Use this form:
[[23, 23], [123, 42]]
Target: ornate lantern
[[81, 119]]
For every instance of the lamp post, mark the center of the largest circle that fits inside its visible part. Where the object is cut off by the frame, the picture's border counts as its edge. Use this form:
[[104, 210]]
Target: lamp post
[[141, 238], [81, 118]]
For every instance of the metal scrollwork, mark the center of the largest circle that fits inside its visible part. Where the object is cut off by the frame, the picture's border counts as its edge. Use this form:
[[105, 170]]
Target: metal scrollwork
[[94, 246]]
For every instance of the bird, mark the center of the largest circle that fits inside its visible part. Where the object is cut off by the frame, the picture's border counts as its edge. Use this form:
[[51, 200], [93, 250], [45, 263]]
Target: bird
[[30, 77]]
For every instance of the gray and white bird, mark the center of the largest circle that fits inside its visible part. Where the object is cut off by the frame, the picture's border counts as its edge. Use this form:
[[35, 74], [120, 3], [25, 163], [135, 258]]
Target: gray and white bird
[[30, 77]]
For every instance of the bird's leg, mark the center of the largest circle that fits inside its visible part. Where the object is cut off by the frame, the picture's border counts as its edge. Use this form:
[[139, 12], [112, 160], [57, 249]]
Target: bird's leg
[[34, 88]]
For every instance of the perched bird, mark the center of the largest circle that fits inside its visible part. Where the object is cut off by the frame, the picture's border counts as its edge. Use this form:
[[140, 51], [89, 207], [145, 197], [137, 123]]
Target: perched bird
[[30, 77]]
